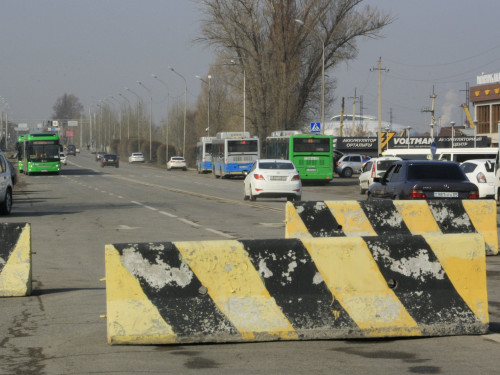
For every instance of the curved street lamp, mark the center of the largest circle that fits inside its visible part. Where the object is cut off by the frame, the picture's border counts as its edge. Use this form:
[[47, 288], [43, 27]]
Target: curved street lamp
[[166, 119], [185, 107], [209, 77], [150, 118], [138, 119]]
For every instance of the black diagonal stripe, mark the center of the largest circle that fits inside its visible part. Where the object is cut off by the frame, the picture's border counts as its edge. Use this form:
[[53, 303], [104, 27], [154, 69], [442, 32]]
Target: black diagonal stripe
[[292, 279], [422, 285], [9, 235], [183, 304], [318, 219], [384, 217], [451, 216]]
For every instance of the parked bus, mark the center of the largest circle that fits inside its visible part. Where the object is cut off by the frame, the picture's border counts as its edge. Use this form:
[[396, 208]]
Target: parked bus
[[312, 154], [40, 153], [204, 155], [233, 153], [453, 154], [19, 149]]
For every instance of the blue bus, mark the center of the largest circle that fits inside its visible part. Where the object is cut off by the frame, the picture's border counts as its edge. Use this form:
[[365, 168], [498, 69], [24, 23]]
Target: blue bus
[[204, 155], [233, 153]]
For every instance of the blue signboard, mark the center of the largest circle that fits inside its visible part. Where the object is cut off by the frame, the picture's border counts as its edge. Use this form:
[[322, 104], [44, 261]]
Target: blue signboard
[[315, 127]]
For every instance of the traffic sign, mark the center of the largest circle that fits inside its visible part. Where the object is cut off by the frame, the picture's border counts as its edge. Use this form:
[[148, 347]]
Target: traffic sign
[[315, 127]]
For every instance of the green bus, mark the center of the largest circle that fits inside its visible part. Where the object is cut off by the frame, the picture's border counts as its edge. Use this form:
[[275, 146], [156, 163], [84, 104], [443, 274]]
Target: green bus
[[19, 149], [40, 153], [312, 154]]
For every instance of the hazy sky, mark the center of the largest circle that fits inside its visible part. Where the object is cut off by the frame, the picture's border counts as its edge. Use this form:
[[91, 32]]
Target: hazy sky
[[95, 48]]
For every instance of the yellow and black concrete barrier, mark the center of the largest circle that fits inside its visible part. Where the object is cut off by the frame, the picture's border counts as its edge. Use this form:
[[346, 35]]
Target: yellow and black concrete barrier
[[386, 217], [15, 259], [296, 289]]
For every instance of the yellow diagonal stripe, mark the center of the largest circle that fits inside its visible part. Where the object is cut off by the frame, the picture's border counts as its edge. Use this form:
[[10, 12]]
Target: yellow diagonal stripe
[[294, 227], [483, 215], [417, 216], [15, 278], [354, 279], [462, 257], [131, 317], [351, 217], [234, 284]]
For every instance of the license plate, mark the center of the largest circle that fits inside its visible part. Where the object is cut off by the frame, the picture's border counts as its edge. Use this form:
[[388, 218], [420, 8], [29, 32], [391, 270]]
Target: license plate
[[44, 170], [445, 194], [278, 178], [311, 157], [311, 169]]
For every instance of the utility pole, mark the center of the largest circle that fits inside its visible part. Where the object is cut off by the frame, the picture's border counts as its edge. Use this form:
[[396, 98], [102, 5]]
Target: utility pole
[[379, 133], [341, 118], [467, 100], [353, 111], [432, 111]]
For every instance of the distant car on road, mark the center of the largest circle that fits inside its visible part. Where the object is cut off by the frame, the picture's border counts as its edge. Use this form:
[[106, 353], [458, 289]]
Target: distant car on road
[[63, 158], [136, 157], [349, 164], [273, 179], [177, 162], [482, 173], [71, 150], [423, 179], [99, 155], [5, 185], [110, 160], [375, 167]]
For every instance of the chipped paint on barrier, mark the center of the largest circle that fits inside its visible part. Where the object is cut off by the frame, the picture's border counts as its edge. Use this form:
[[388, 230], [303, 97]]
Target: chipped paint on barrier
[[15, 252], [288, 289]]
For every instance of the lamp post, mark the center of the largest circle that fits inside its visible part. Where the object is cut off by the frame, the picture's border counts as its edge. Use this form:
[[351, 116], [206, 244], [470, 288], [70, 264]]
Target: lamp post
[[409, 128], [185, 107], [475, 132], [244, 95], [209, 77], [387, 128], [138, 120], [119, 117], [166, 119], [150, 119], [432, 131], [300, 22], [128, 114], [452, 134]]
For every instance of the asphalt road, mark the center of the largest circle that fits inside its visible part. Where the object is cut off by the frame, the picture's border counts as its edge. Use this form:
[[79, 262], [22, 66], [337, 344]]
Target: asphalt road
[[59, 329]]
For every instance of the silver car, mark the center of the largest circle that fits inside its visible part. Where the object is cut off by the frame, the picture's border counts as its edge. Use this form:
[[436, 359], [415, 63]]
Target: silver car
[[350, 164], [5, 186]]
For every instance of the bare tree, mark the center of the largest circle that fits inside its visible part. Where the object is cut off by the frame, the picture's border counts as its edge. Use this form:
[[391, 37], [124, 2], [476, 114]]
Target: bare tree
[[67, 107], [281, 59]]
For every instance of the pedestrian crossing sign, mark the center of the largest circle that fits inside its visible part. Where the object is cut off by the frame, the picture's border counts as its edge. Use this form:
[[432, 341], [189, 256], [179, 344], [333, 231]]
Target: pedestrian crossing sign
[[315, 127]]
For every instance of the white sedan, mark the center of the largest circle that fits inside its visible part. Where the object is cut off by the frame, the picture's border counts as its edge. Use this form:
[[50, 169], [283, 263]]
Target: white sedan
[[482, 173], [136, 157], [63, 158], [177, 162], [273, 178]]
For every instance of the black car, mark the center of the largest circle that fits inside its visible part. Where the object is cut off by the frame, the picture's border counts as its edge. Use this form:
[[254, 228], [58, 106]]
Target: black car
[[110, 160], [71, 150], [423, 179]]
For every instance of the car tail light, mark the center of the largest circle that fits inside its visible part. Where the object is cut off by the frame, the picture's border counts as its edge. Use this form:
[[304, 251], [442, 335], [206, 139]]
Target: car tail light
[[417, 194], [296, 177], [373, 170], [481, 178], [258, 176], [473, 195]]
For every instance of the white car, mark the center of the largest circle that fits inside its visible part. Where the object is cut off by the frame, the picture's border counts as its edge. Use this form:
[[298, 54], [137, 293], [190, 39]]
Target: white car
[[374, 167], [63, 158], [273, 178], [177, 162], [482, 173], [136, 157], [5, 186]]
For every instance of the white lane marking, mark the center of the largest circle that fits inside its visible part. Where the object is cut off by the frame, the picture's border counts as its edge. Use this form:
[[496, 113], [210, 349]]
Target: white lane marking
[[138, 203], [126, 227], [119, 196], [189, 222], [167, 214], [219, 233], [150, 208], [494, 337]]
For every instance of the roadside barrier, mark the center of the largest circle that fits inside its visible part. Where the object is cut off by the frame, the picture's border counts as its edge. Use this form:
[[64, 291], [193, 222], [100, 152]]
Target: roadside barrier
[[296, 289], [387, 217], [15, 259]]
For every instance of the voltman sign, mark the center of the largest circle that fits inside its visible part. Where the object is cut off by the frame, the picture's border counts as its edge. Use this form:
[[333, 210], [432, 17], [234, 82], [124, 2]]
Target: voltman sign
[[368, 145]]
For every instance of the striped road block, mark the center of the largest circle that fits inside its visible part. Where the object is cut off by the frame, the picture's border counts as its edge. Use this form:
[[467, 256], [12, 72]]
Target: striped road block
[[15, 259], [387, 217], [296, 289]]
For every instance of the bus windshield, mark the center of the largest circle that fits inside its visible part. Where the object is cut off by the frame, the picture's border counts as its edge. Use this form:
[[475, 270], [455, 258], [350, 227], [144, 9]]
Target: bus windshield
[[311, 144], [43, 152], [234, 146]]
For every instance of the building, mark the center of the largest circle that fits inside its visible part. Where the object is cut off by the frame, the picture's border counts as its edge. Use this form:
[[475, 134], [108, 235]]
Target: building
[[486, 100]]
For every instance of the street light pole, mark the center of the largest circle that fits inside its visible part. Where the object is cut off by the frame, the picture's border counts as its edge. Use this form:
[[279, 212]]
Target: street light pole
[[166, 119], [300, 22], [452, 134], [409, 128], [150, 119], [209, 77], [138, 120], [128, 114], [185, 108]]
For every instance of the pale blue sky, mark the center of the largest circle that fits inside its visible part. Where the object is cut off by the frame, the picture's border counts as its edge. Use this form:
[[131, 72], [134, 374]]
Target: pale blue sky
[[95, 48]]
